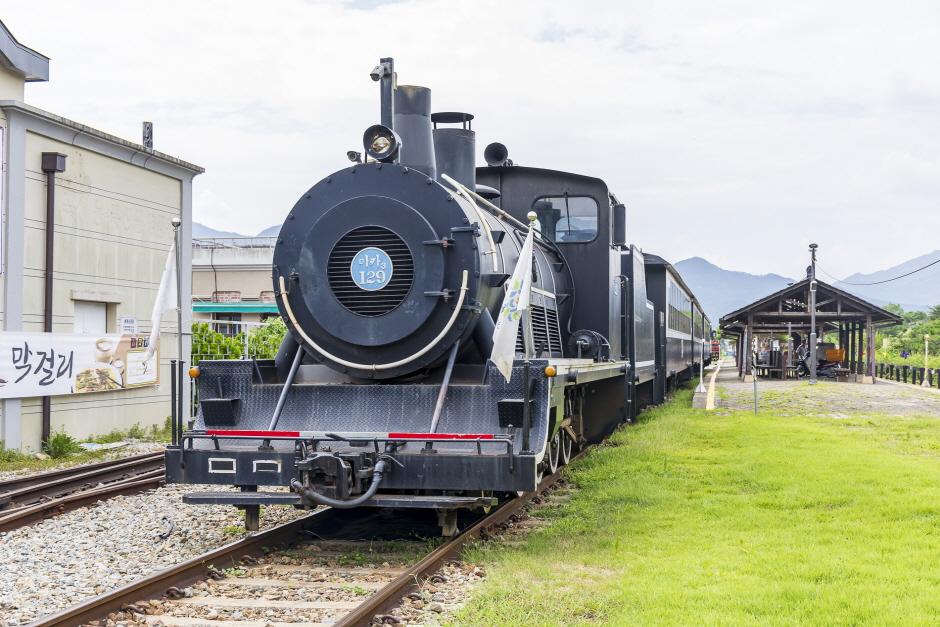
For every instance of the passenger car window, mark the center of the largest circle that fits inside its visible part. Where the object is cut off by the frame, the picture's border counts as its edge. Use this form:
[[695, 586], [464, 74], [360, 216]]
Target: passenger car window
[[567, 219]]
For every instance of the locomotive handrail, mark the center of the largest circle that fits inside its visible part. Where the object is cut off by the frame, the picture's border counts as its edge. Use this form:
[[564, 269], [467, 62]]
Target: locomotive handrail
[[504, 440], [541, 240], [374, 367], [460, 189]]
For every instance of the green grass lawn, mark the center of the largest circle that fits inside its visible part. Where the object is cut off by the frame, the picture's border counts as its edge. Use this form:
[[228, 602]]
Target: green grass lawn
[[692, 518]]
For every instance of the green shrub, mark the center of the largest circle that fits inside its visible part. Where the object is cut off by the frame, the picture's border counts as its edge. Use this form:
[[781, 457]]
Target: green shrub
[[137, 432], [209, 344], [264, 341], [61, 444], [10, 455], [116, 435]]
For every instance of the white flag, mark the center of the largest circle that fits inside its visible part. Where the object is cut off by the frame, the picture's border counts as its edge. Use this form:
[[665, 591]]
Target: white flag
[[514, 303], [166, 300]]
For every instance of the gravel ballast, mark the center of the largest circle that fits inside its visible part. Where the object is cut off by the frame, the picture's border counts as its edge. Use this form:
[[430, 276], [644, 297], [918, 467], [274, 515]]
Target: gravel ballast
[[66, 559]]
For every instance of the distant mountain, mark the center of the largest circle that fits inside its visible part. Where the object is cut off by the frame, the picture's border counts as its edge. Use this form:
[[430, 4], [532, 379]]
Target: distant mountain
[[201, 230], [918, 291], [722, 291]]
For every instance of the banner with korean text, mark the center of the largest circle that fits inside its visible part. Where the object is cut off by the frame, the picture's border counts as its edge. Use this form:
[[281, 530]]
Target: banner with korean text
[[50, 364]]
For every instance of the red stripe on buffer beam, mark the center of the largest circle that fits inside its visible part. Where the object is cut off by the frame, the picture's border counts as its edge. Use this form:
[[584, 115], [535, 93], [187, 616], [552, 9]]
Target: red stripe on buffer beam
[[440, 436], [253, 434]]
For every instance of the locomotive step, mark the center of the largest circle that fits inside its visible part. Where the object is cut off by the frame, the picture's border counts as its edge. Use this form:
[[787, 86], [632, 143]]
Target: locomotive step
[[379, 500]]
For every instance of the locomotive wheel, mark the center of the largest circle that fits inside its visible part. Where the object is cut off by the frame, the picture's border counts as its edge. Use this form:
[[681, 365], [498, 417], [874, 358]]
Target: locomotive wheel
[[554, 451], [567, 447]]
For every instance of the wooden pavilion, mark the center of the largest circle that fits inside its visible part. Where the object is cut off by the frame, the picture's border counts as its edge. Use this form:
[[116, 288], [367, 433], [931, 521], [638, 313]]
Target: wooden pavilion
[[787, 311]]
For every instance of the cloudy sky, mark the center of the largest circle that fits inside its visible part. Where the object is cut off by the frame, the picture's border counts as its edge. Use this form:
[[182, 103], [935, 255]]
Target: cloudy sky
[[735, 131]]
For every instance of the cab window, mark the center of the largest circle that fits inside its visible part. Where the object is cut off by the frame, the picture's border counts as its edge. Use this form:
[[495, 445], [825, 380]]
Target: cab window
[[567, 219]]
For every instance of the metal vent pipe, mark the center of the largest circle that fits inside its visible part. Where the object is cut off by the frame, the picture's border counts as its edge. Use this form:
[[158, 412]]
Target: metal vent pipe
[[455, 148], [413, 125]]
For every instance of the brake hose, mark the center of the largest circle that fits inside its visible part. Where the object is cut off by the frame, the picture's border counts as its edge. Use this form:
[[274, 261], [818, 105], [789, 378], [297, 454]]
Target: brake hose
[[316, 497]]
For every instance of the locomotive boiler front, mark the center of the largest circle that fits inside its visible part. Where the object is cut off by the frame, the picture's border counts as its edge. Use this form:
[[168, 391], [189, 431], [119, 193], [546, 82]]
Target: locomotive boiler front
[[378, 271]]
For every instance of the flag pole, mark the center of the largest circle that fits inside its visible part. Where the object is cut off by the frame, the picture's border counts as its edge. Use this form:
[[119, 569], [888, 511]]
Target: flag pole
[[177, 237], [529, 349], [179, 288]]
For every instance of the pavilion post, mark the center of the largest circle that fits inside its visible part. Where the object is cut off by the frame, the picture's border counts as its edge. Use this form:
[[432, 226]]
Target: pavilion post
[[870, 364], [851, 355], [842, 337], [861, 353], [750, 335]]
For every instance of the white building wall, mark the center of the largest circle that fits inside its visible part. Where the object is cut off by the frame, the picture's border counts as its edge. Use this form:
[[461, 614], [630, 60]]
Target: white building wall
[[114, 204], [112, 236]]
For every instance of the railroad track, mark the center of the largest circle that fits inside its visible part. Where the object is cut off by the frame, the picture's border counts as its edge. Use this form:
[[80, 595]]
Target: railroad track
[[35, 497], [302, 573]]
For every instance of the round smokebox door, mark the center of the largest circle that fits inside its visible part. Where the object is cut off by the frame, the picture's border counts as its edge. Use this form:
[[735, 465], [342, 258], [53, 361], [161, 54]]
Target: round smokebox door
[[379, 271]]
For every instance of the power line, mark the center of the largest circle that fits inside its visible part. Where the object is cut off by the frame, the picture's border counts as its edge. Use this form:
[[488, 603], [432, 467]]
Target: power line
[[934, 262]]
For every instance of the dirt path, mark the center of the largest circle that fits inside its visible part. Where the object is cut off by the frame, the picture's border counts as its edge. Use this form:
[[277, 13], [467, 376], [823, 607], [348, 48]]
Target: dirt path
[[826, 398]]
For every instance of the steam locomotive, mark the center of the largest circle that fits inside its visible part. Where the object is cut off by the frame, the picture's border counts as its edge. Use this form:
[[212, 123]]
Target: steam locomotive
[[389, 275]]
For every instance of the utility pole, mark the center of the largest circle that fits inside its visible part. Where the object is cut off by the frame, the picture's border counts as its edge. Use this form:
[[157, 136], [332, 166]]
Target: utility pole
[[812, 314]]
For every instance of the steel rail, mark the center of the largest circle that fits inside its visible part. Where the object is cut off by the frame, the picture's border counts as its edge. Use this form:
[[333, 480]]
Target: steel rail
[[35, 488], [16, 483], [186, 573], [392, 595], [182, 574]]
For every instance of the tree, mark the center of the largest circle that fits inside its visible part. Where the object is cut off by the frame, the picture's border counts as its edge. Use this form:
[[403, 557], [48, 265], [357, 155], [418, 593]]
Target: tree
[[934, 313], [894, 308], [209, 344], [264, 341]]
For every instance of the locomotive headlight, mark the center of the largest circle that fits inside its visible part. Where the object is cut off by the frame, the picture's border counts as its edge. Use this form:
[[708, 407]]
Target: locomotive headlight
[[381, 143]]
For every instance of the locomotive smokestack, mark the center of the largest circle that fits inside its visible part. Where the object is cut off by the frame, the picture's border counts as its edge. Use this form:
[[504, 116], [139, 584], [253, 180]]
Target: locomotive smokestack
[[455, 148], [413, 125]]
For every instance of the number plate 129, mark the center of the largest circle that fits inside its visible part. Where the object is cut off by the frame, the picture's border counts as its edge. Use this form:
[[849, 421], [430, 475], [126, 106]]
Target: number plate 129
[[371, 269]]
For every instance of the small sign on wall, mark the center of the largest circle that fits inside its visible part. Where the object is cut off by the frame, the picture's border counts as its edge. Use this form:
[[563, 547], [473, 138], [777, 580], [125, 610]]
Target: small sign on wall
[[127, 324]]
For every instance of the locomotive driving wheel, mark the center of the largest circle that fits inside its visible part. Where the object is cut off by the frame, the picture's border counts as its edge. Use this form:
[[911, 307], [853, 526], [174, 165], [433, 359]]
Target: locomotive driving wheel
[[567, 448], [554, 450]]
